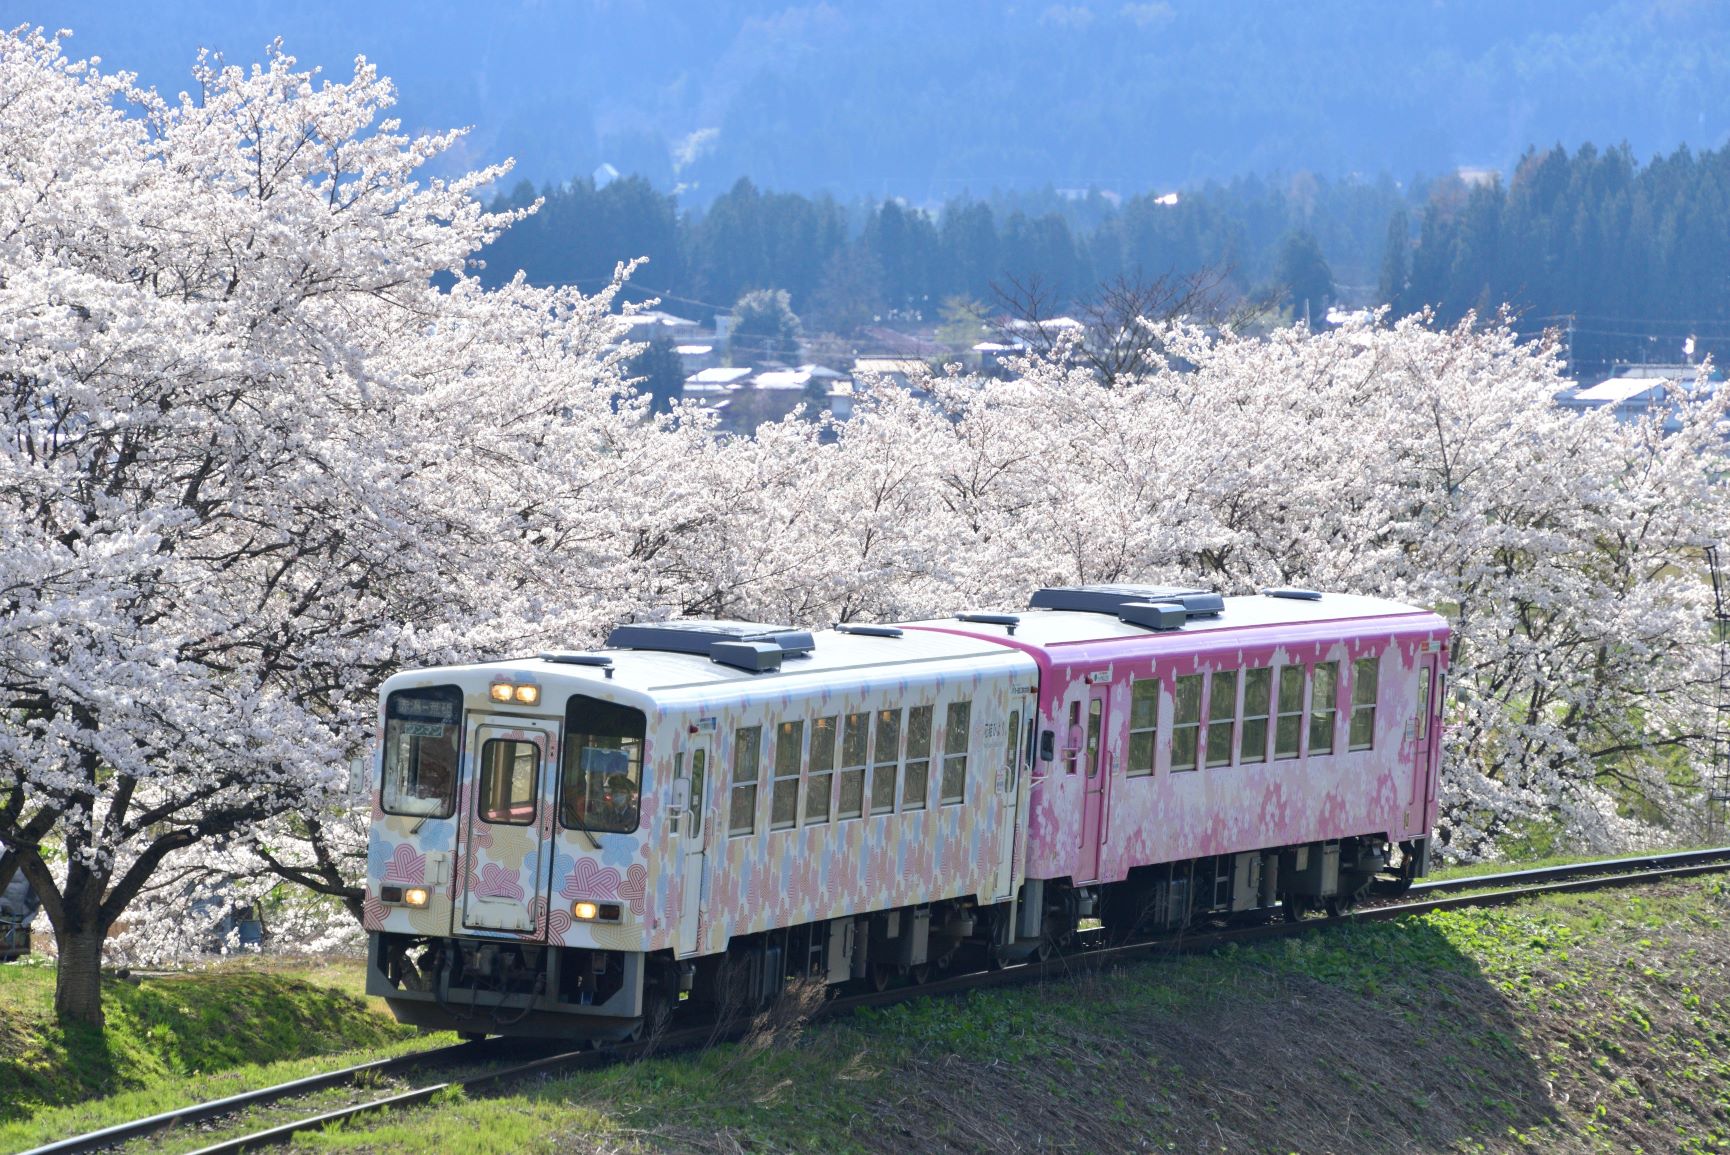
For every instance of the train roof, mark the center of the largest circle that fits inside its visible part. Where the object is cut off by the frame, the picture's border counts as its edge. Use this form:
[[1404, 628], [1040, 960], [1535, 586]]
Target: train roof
[[1106, 607], [667, 666]]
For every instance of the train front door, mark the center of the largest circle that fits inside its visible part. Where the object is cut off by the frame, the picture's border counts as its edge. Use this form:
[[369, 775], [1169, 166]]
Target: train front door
[[508, 782], [690, 795], [1096, 766]]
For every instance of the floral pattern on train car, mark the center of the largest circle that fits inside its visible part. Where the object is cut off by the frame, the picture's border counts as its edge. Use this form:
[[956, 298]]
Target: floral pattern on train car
[[761, 878], [1243, 804]]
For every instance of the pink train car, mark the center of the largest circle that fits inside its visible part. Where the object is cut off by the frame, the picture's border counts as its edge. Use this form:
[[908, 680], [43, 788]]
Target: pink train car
[[579, 843]]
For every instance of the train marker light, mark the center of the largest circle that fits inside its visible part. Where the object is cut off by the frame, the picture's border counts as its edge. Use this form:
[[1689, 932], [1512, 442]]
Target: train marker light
[[528, 695], [415, 896], [587, 911], [502, 691]]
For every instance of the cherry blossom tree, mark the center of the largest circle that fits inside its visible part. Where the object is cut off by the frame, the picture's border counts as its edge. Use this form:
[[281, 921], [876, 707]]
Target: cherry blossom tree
[[268, 441]]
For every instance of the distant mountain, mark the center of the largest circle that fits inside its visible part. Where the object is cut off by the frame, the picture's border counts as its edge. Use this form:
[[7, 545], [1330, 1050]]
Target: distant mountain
[[926, 100]]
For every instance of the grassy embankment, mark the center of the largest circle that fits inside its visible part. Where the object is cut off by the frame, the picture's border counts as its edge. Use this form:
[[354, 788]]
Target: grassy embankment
[[1596, 1022], [176, 1040]]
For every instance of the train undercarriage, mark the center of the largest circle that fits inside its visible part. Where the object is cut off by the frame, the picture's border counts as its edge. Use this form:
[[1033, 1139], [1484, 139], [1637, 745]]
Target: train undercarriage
[[490, 986]]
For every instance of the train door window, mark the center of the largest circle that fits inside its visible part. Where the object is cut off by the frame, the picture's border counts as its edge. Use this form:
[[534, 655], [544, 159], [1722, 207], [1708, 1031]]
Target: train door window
[[1186, 722], [1257, 696], [509, 772], [1324, 707], [603, 766], [1288, 724], [699, 779], [957, 731], [1365, 678], [1072, 741], [747, 772], [1143, 726], [916, 770], [1095, 717], [886, 757], [421, 728], [1424, 704], [784, 793], [1011, 769], [1221, 716], [855, 736], [822, 774]]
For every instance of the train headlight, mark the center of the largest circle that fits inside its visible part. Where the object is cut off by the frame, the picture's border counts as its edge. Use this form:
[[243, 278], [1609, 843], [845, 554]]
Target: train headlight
[[502, 691], [528, 695], [415, 896], [586, 911]]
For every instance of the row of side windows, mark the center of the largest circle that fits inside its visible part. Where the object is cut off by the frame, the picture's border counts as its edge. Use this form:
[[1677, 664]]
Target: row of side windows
[[1241, 705], [894, 748]]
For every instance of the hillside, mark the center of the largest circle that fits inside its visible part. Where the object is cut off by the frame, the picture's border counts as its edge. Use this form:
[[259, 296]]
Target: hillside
[[1589, 1023], [926, 101]]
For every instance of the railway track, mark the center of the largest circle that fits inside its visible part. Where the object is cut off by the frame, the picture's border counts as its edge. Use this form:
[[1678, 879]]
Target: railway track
[[1479, 890]]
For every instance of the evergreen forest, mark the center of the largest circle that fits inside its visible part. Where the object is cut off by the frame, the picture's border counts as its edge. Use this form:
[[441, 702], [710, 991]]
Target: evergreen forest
[[1623, 257]]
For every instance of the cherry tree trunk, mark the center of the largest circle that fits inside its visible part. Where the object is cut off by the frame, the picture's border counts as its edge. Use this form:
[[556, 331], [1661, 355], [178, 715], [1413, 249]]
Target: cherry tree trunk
[[78, 983]]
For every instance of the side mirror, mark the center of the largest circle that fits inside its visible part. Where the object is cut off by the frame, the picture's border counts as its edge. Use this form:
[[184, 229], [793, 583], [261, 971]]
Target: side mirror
[[1047, 745]]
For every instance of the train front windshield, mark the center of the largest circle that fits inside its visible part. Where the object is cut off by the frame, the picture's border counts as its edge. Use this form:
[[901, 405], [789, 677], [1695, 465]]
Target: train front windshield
[[603, 766], [422, 729]]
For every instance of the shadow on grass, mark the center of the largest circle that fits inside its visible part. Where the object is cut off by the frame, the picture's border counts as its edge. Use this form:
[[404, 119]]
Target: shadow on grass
[[1375, 1039]]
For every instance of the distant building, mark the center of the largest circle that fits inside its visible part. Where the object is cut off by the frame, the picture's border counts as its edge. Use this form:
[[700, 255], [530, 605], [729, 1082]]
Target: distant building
[[696, 357], [1636, 392], [652, 323], [901, 370]]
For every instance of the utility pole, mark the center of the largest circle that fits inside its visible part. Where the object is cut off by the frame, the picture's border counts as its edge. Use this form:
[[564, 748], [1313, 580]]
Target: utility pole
[[1718, 791]]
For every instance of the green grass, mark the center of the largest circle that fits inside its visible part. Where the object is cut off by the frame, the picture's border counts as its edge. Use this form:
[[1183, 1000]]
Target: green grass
[[1590, 1022], [175, 1040]]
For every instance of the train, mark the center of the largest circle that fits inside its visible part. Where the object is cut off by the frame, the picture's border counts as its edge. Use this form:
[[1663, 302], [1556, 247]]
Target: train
[[590, 843]]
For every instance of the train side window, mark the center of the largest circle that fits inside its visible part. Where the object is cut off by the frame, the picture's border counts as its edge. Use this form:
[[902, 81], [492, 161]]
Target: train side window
[[957, 732], [1221, 716], [1257, 697], [1324, 707], [1012, 755], [1186, 722], [1365, 686], [509, 771], [1288, 725], [747, 772], [885, 759], [822, 774], [784, 794], [854, 737], [1143, 726], [421, 731], [916, 770]]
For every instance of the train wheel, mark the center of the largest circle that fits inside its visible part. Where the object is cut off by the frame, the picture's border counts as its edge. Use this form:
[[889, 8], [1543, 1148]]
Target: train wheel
[[880, 975], [1295, 907], [919, 974]]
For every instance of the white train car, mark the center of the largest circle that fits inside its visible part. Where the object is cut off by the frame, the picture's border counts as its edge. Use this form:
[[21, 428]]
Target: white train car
[[567, 843]]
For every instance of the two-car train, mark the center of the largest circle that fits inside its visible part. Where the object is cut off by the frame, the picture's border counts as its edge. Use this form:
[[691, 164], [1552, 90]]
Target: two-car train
[[575, 843]]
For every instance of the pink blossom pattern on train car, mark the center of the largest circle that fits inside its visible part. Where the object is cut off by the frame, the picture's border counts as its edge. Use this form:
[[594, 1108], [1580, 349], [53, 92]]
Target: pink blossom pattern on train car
[[845, 866], [1243, 805]]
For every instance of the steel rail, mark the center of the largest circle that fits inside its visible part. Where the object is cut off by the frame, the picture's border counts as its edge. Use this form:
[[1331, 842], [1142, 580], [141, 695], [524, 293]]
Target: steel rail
[[1575, 878], [1574, 870], [262, 1096]]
